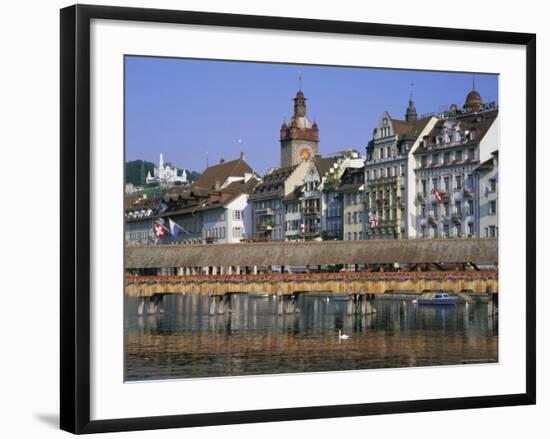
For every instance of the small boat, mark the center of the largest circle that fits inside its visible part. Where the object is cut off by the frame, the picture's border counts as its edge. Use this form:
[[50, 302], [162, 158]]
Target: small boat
[[437, 298]]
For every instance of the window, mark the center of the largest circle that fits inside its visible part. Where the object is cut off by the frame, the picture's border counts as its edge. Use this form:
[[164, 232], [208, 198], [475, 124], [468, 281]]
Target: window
[[424, 187], [446, 210], [423, 231], [492, 207], [493, 184], [355, 236], [394, 171], [458, 182], [423, 211], [388, 150], [446, 184], [470, 207], [458, 229], [388, 172], [237, 232], [434, 183], [368, 175], [402, 170], [424, 161], [349, 217], [470, 229], [374, 174], [492, 232], [470, 182], [458, 156], [471, 154], [447, 157], [237, 214], [446, 230], [459, 208]]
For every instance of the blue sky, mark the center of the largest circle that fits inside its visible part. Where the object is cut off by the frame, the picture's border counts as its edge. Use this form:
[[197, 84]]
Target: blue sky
[[186, 108]]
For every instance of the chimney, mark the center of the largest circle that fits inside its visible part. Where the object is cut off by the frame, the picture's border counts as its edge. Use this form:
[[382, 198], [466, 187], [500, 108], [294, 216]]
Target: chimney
[[242, 155], [217, 185]]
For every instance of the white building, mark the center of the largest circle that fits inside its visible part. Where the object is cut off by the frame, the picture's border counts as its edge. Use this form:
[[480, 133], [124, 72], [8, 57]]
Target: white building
[[488, 197], [449, 202], [165, 174]]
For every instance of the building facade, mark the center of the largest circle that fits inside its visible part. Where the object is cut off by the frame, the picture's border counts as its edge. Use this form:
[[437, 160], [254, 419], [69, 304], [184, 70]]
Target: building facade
[[488, 208], [351, 190], [389, 179], [448, 202], [268, 211]]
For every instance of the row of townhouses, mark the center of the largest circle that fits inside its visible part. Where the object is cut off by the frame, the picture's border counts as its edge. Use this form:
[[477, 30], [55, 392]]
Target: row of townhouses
[[421, 177]]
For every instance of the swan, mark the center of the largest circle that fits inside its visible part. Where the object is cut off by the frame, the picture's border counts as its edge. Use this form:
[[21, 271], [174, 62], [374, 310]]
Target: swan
[[342, 336]]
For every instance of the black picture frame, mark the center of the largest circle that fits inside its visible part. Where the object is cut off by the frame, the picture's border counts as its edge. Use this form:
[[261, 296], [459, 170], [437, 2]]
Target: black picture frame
[[75, 217]]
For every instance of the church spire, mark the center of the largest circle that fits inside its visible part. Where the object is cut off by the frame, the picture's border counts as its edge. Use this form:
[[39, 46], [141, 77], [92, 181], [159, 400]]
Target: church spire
[[411, 115]]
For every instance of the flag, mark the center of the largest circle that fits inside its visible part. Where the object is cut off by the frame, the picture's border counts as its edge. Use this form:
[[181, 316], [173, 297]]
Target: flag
[[437, 195], [159, 230], [373, 220], [162, 207], [175, 228]]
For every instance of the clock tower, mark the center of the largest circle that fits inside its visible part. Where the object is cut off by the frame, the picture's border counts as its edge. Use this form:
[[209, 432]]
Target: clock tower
[[299, 138]]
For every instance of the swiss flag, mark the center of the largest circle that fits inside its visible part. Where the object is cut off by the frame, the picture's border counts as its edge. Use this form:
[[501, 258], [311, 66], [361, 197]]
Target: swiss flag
[[159, 230]]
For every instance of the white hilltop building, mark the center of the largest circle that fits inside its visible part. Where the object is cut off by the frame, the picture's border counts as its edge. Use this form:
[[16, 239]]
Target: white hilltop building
[[166, 174]]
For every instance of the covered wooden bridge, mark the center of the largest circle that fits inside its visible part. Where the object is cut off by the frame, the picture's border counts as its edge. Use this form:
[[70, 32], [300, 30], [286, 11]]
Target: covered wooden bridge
[[359, 269]]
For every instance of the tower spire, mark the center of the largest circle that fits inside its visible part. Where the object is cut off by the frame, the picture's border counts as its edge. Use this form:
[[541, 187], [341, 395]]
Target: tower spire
[[473, 82], [299, 80], [411, 115]]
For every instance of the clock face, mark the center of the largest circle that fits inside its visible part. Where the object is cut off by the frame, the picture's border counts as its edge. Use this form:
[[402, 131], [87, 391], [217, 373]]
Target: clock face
[[305, 153]]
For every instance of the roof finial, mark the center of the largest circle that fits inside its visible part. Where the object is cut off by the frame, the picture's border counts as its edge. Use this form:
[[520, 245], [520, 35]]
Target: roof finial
[[300, 80], [473, 82], [411, 93]]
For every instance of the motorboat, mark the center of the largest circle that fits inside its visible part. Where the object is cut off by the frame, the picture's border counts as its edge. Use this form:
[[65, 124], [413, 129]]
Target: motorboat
[[437, 298]]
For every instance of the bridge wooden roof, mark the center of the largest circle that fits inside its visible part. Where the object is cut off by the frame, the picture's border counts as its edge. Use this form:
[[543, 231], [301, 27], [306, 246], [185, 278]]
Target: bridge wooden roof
[[407, 251]]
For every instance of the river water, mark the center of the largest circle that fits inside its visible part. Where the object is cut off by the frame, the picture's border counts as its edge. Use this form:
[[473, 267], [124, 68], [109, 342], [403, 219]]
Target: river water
[[186, 342]]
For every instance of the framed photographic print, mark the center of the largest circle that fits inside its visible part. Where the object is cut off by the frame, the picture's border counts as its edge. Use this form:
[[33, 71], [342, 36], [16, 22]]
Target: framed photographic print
[[261, 214]]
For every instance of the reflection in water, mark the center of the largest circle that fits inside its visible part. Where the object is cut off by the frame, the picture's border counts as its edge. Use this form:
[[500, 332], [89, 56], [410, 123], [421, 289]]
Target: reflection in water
[[186, 342]]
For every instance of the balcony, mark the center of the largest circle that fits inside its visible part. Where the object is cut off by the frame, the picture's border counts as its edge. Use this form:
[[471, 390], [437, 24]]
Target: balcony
[[311, 211], [468, 194], [264, 227], [311, 230], [264, 211]]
